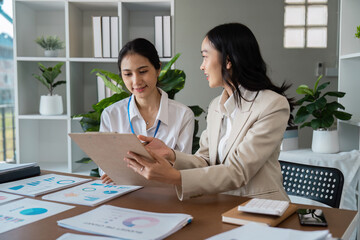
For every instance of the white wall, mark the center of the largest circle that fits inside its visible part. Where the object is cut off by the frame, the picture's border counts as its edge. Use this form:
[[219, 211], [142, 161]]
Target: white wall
[[193, 18]]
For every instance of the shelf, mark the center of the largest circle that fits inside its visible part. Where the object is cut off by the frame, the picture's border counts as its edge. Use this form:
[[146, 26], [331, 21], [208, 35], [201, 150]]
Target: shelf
[[44, 139], [30, 89], [351, 56], [35, 19], [98, 60], [354, 122], [137, 19], [40, 59], [80, 25], [43, 117]]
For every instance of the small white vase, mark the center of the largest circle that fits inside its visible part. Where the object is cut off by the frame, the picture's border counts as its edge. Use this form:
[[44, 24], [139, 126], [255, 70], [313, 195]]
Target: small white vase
[[51, 53], [51, 105], [325, 141]]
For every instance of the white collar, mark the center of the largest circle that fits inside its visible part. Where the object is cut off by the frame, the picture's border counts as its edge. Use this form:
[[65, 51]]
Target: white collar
[[163, 109]]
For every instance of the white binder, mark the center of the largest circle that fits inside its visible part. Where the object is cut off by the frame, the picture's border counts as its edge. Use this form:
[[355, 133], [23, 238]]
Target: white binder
[[167, 36], [96, 22], [159, 35], [114, 24], [105, 20]]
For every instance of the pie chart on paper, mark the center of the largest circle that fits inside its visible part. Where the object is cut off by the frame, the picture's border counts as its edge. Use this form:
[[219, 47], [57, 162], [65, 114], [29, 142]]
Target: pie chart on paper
[[33, 211]]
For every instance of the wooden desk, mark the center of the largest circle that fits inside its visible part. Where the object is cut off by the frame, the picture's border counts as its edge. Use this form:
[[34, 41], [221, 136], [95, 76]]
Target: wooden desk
[[206, 211]]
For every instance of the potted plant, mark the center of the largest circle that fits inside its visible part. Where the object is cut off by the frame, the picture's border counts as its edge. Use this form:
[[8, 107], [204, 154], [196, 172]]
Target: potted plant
[[170, 80], [324, 113], [50, 104], [357, 34], [50, 44]]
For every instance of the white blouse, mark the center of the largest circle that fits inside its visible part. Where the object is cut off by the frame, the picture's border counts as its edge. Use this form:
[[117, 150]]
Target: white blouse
[[176, 128]]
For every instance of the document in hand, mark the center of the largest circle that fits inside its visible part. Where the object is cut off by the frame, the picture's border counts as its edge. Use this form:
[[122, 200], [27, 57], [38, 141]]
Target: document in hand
[[40, 185], [237, 217], [91, 193], [108, 150], [127, 223]]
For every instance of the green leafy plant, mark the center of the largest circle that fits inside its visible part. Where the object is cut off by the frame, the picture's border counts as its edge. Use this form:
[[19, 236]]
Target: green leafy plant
[[50, 42], [170, 80], [316, 105], [357, 34], [48, 76]]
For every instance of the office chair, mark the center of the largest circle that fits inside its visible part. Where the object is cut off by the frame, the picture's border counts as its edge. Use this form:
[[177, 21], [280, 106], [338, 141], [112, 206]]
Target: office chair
[[322, 184]]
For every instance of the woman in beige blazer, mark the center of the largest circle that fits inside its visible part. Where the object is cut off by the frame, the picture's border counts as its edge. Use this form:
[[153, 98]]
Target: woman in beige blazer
[[240, 147]]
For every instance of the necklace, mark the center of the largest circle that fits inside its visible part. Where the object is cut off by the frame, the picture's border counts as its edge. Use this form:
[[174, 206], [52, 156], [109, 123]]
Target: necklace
[[147, 122]]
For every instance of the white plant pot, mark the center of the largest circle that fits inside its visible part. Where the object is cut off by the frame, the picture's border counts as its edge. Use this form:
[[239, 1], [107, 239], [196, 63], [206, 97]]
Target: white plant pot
[[51, 105], [325, 141], [51, 53]]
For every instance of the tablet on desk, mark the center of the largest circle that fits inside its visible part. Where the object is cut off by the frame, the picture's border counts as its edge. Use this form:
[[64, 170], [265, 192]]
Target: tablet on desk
[[108, 150]]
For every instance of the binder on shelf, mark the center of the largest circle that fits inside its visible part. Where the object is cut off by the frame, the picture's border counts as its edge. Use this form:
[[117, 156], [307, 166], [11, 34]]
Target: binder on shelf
[[167, 36], [100, 89], [234, 216], [96, 22], [159, 35], [105, 24], [114, 32]]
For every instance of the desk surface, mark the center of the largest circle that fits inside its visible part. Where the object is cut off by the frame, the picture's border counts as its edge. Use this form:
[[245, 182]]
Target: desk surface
[[206, 211]]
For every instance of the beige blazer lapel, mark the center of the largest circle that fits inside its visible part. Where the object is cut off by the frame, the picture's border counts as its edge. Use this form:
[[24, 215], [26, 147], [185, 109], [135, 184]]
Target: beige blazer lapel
[[214, 131], [241, 117]]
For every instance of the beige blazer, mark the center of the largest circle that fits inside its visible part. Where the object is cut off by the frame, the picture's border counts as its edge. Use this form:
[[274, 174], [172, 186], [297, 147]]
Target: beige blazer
[[250, 167]]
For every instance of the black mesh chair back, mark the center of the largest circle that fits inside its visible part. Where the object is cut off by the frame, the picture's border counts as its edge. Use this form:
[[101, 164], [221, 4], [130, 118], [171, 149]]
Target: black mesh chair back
[[322, 184]]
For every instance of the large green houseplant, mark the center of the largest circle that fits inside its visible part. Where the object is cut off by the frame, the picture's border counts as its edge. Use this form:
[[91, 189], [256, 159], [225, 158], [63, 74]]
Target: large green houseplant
[[170, 80], [320, 114]]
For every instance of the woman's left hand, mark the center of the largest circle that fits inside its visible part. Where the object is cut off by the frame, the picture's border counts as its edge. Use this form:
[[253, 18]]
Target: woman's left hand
[[159, 169]]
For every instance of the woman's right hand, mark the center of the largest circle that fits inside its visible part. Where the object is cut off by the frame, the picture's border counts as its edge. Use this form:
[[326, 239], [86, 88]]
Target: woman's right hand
[[106, 179], [158, 147]]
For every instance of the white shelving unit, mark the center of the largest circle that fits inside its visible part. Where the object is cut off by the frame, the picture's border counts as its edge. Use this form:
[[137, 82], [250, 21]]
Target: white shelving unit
[[349, 72], [44, 139]]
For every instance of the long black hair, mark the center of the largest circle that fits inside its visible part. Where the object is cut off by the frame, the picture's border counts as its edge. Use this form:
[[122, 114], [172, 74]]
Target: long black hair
[[142, 47], [238, 45]]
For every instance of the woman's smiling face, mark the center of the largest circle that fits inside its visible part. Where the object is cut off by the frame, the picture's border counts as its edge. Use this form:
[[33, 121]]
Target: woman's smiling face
[[211, 64], [139, 75]]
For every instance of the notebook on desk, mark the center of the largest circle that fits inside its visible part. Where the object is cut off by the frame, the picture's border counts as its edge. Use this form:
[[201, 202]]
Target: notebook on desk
[[108, 150]]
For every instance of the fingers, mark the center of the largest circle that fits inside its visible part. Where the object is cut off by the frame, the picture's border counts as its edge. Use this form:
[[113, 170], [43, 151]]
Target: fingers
[[144, 138], [106, 179], [134, 165]]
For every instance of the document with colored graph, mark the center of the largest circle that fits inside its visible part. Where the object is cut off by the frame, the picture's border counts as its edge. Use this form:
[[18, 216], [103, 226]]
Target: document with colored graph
[[91, 193], [24, 211], [42, 184], [125, 223]]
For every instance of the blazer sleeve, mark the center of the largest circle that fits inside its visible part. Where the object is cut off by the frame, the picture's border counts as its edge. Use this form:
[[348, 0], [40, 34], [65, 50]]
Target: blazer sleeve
[[262, 137], [185, 138]]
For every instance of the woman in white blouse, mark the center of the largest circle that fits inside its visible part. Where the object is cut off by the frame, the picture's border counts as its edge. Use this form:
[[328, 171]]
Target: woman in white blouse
[[148, 111]]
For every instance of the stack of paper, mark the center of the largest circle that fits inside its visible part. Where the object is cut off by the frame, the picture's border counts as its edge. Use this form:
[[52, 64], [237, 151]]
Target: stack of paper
[[12, 172], [126, 223], [40, 185], [258, 231], [24, 211], [90, 194]]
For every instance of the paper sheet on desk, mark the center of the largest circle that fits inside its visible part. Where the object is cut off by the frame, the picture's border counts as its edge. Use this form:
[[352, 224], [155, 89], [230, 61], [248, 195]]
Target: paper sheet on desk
[[259, 231]]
